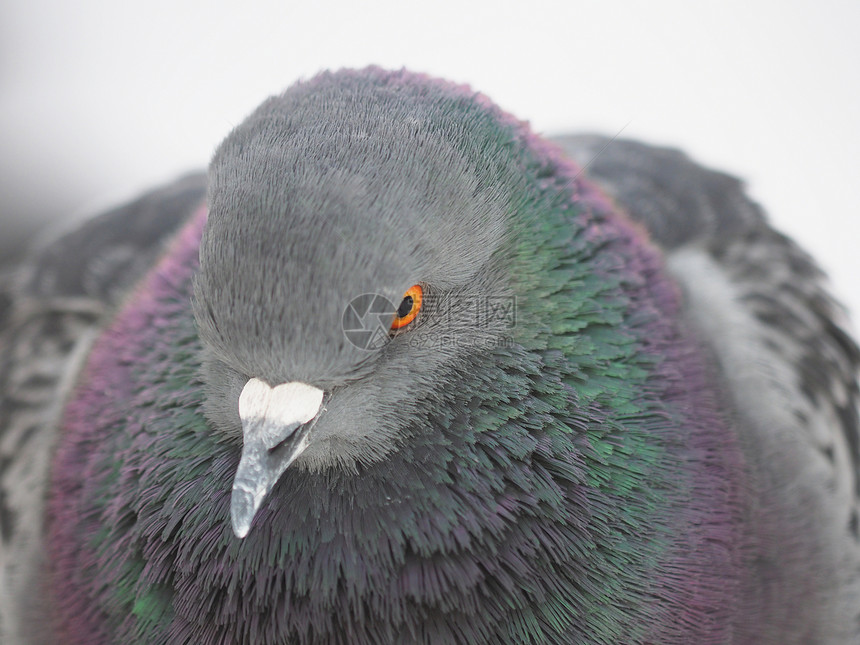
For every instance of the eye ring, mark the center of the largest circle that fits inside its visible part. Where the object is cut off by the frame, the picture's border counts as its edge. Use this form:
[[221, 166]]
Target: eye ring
[[409, 307]]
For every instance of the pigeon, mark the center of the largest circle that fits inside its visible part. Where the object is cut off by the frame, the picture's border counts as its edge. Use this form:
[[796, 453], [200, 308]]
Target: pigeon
[[396, 369]]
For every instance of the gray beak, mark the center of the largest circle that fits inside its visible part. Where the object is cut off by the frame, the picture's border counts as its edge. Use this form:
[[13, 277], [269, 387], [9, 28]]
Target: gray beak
[[275, 432]]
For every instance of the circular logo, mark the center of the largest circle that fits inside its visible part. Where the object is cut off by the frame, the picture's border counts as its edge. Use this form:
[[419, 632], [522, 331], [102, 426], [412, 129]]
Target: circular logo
[[367, 321]]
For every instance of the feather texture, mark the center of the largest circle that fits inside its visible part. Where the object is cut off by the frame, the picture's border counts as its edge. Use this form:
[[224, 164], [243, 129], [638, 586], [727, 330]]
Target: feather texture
[[627, 412]]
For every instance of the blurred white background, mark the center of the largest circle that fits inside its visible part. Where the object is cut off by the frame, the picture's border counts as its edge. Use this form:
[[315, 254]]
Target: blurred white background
[[100, 99]]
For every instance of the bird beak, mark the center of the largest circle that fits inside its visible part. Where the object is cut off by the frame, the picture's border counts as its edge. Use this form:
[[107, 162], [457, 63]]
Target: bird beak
[[275, 432]]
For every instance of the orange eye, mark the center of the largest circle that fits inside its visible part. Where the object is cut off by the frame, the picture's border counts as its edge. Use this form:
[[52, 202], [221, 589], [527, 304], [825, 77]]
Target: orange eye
[[409, 307]]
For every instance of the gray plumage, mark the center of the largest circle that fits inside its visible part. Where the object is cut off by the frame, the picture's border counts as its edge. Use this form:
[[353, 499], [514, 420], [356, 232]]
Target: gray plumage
[[753, 300], [780, 345], [59, 300]]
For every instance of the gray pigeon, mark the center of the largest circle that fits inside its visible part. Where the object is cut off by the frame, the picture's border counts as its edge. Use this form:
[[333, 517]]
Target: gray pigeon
[[397, 370]]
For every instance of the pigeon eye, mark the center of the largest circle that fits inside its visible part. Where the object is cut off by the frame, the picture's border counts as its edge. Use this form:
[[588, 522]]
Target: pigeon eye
[[409, 307]]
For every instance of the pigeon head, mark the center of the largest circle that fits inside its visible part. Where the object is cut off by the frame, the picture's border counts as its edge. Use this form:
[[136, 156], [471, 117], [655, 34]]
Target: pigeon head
[[351, 220]]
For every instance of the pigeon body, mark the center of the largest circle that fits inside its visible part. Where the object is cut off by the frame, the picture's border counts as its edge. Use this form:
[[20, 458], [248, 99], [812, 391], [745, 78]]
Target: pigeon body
[[625, 412]]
